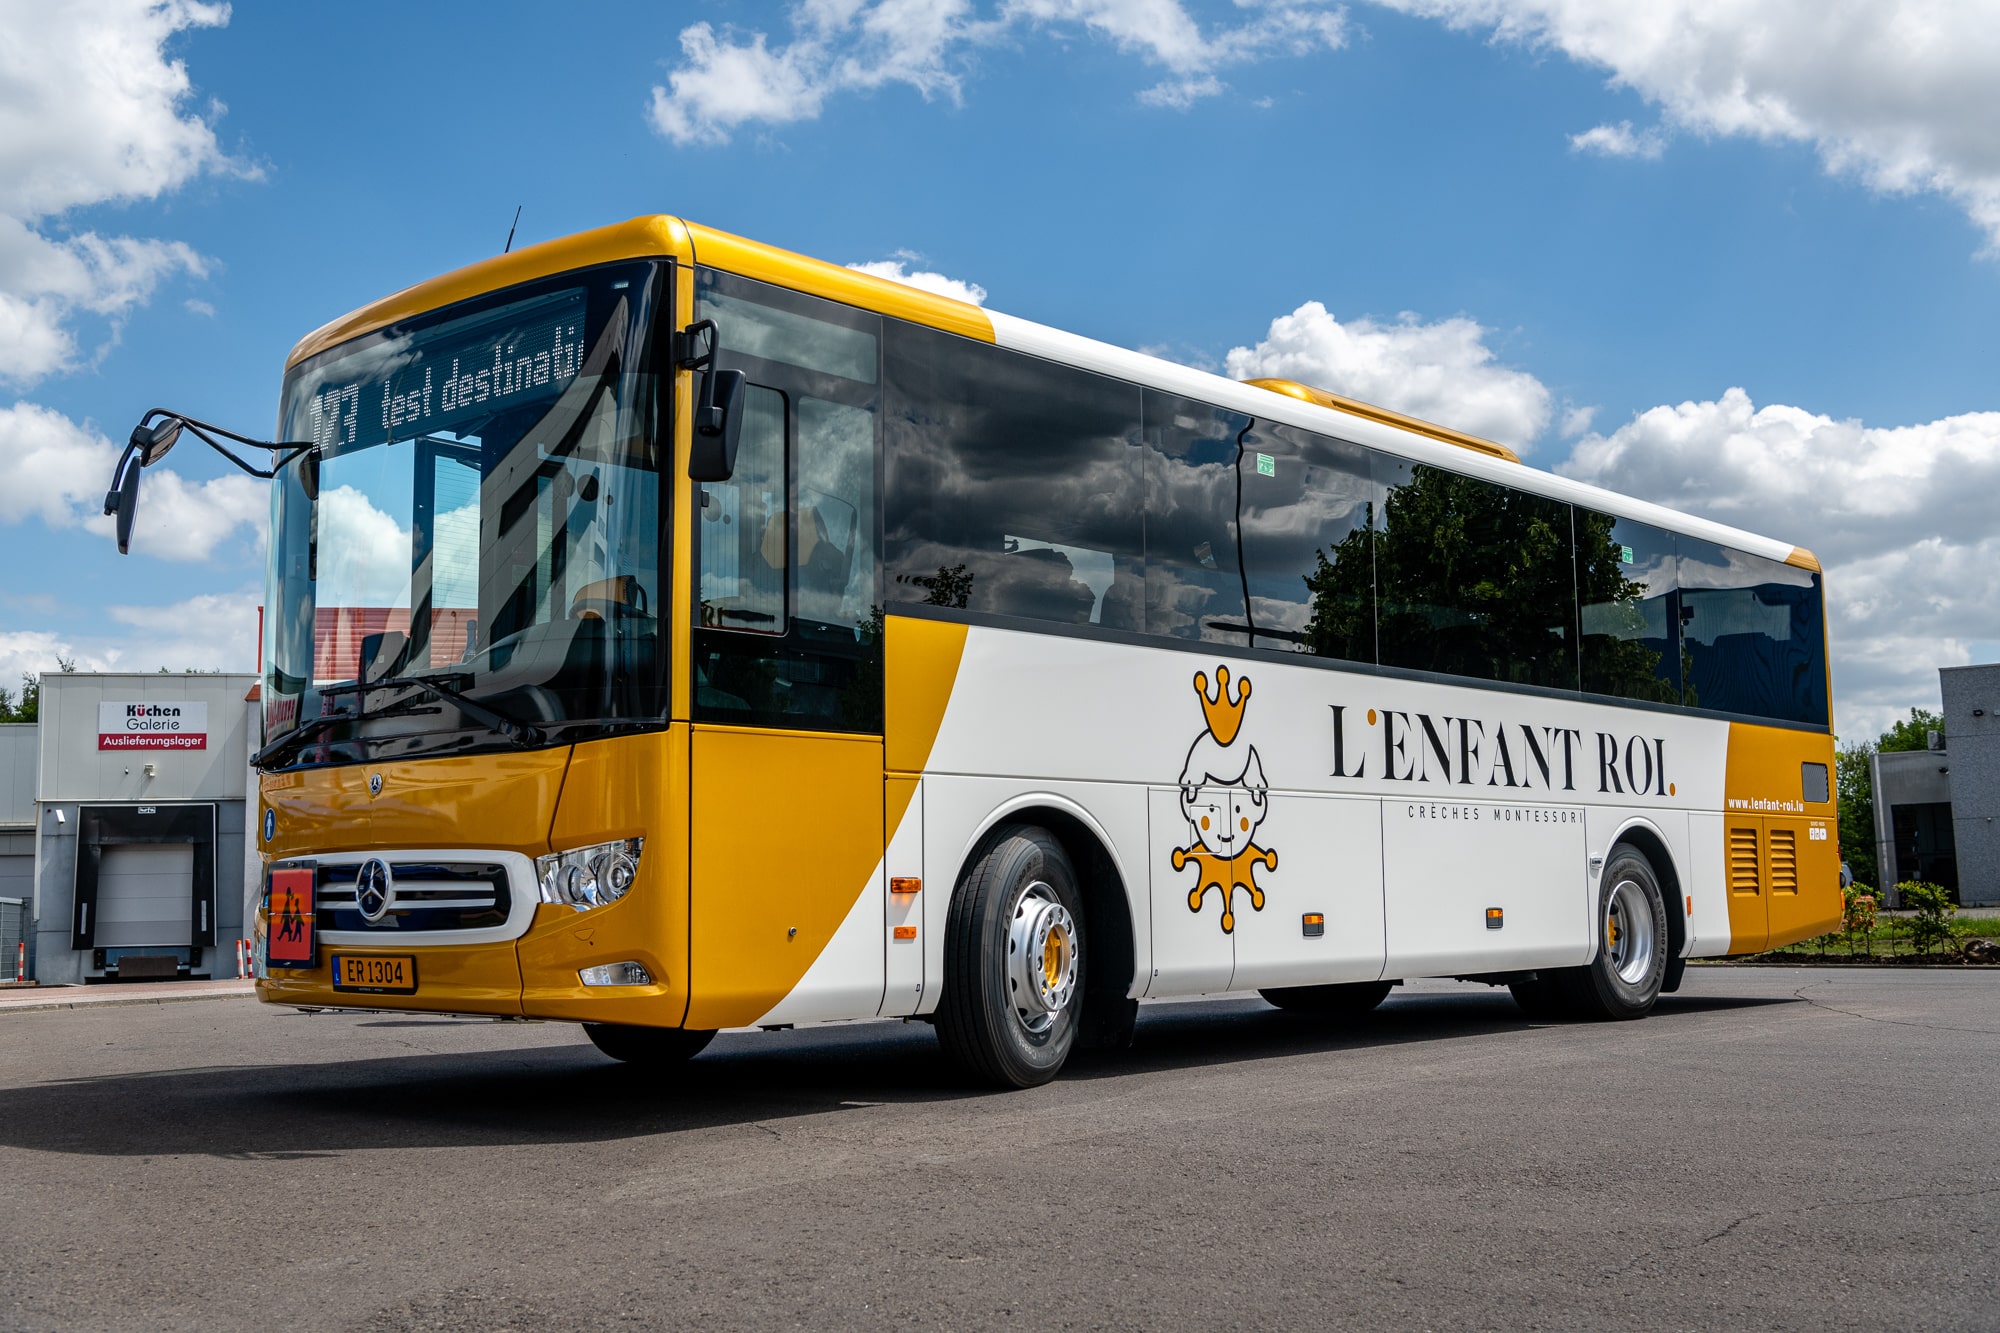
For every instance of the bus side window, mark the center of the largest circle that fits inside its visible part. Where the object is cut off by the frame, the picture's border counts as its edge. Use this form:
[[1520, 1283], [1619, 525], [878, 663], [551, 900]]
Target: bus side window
[[1306, 506], [1752, 633], [1193, 587], [1014, 483], [1473, 578], [1630, 617], [744, 542]]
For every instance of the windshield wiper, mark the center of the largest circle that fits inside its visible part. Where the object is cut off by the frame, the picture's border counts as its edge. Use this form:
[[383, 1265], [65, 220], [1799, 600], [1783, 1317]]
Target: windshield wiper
[[297, 737], [522, 734]]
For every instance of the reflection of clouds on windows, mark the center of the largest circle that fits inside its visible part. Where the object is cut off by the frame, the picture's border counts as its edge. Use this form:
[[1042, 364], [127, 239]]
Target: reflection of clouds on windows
[[836, 471], [364, 554], [455, 551], [1738, 570], [1093, 569], [1286, 616]]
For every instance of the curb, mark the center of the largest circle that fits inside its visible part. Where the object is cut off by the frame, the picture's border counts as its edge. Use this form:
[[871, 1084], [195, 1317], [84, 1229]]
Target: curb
[[109, 1002]]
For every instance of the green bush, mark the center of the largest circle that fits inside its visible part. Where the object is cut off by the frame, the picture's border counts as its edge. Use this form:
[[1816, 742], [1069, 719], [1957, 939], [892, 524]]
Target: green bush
[[1931, 926], [1857, 918]]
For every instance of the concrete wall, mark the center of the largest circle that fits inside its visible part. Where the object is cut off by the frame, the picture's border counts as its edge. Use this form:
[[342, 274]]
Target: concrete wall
[[74, 772], [74, 769], [19, 753], [1972, 731]]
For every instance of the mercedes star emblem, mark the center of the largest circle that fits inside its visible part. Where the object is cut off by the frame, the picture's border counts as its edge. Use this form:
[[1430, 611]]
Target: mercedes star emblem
[[374, 890]]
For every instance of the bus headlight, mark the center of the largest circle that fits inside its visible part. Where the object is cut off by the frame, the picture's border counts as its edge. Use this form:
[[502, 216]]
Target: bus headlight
[[587, 877]]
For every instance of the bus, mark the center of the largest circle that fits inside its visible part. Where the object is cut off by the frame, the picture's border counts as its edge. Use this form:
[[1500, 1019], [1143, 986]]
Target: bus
[[669, 633]]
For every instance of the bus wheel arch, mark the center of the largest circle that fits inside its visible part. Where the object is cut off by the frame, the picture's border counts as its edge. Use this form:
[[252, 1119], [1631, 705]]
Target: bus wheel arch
[[1110, 938]]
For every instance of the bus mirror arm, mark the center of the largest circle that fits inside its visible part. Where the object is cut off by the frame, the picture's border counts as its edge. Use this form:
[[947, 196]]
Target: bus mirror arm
[[156, 434]]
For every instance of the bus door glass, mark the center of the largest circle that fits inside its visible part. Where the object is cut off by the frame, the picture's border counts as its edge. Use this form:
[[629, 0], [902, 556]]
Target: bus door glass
[[787, 892]]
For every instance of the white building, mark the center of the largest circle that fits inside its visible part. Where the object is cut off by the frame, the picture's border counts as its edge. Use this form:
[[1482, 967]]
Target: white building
[[140, 865]]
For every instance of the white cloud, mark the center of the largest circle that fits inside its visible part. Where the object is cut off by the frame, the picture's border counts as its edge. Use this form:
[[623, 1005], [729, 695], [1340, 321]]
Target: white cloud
[[1902, 93], [55, 470], [210, 632], [893, 269], [728, 80], [1620, 140], [196, 307], [1901, 517], [92, 111], [1443, 372]]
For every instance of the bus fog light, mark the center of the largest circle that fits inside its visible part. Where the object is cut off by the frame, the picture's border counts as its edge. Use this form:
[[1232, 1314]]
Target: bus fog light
[[587, 877], [616, 974]]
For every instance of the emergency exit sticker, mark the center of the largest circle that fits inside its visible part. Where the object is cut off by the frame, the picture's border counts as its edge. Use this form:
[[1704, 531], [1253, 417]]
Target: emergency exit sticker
[[290, 920]]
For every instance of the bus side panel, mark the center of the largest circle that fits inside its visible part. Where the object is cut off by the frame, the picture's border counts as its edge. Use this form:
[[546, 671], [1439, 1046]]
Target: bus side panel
[[1782, 849], [1333, 871], [903, 981], [1192, 954], [1446, 863], [959, 810], [627, 787], [1707, 887], [785, 835]]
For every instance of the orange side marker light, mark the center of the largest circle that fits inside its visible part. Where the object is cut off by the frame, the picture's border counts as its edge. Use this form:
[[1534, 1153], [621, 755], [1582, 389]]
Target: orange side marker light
[[906, 932], [904, 884], [1690, 904], [1496, 918]]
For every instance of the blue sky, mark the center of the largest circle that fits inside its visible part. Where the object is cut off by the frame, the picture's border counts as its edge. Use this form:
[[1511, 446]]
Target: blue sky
[[1531, 218]]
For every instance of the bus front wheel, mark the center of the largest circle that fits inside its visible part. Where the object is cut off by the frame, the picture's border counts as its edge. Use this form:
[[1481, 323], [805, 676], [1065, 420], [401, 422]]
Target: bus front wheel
[[1014, 960], [651, 1047]]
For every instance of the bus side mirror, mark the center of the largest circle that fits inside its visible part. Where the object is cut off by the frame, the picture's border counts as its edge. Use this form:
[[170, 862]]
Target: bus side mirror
[[718, 425], [123, 504], [152, 442]]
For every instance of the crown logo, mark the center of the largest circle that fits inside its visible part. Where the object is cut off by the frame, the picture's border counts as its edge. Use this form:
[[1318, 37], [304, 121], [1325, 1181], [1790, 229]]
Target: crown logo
[[1225, 715]]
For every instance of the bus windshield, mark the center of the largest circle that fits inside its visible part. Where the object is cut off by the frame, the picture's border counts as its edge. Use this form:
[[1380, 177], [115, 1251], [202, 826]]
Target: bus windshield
[[479, 518]]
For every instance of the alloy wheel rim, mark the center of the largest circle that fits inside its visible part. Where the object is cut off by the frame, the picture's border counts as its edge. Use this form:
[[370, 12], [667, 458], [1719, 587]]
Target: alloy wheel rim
[[1629, 935], [1041, 958]]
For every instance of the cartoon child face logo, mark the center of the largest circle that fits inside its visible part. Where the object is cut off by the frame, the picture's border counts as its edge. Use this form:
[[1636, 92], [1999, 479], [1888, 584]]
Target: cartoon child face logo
[[1224, 799]]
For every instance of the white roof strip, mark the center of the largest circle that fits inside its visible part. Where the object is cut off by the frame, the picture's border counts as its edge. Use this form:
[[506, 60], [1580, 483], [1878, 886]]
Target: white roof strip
[[1088, 354]]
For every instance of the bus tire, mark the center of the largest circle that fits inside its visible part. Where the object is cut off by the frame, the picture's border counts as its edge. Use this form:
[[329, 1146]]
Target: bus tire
[[1625, 978], [656, 1048], [1349, 999], [1013, 962]]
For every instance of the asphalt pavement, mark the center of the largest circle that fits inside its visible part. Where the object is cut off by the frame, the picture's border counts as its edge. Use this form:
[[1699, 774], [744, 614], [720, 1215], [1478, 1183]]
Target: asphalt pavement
[[1774, 1148]]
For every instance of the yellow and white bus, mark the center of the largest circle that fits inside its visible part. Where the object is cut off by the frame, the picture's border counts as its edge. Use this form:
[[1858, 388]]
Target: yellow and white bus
[[670, 633]]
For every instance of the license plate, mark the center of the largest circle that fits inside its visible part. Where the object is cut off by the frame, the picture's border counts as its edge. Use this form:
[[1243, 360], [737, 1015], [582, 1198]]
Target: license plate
[[376, 974]]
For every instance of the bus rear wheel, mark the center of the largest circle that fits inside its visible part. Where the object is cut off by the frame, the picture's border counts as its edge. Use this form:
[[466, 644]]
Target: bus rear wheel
[[1348, 999], [1014, 960], [1625, 978], [656, 1048]]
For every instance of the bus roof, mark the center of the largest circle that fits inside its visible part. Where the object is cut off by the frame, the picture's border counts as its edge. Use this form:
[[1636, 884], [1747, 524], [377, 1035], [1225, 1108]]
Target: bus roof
[[1297, 404]]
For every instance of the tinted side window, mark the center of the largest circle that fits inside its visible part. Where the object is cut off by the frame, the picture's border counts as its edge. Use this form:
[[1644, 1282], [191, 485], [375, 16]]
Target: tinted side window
[[1014, 484], [1753, 634], [1193, 586], [1306, 506], [1474, 579], [789, 614], [1630, 613]]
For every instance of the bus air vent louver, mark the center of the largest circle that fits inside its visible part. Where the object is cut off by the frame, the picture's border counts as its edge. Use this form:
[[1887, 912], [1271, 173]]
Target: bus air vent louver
[[1743, 860], [1784, 861]]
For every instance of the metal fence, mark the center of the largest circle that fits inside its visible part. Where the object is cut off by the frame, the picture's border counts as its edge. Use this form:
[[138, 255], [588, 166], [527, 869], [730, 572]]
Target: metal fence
[[13, 933]]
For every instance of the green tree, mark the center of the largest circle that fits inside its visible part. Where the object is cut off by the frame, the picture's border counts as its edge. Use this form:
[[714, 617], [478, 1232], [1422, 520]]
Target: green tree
[[1854, 794], [1912, 734]]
